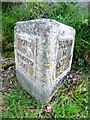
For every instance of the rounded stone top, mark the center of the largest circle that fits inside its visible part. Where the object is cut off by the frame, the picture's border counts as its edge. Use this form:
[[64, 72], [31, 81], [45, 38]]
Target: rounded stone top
[[43, 27], [49, 22], [39, 20]]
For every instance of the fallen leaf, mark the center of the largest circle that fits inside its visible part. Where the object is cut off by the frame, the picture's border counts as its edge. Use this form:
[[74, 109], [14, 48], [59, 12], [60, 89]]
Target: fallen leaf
[[71, 94]]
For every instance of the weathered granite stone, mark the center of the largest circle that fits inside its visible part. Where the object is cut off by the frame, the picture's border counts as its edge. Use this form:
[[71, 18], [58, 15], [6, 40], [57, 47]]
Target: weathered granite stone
[[43, 55]]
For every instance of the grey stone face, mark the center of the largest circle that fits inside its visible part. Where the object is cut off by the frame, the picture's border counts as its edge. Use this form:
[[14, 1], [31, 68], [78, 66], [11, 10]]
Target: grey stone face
[[43, 55]]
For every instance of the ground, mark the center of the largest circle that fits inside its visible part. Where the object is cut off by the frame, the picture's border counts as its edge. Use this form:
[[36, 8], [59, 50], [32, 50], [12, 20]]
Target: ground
[[71, 100]]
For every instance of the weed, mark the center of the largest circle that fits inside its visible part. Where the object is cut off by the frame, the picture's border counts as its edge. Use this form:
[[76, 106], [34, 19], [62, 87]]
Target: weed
[[19, 105]]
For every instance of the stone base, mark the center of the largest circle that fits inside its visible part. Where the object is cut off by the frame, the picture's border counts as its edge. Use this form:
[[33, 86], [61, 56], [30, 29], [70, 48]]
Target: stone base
[[40, 90]]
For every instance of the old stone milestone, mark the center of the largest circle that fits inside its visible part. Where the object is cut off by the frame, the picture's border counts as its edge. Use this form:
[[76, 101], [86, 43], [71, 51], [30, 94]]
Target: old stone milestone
[[43, 55]]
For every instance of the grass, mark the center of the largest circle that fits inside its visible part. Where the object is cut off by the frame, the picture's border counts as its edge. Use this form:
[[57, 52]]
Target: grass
[[71, 101], [20, 106], [72, 104]]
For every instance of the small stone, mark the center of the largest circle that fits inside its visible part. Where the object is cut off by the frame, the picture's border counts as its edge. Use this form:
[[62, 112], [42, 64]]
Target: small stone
[[74, 79], [49, 108]]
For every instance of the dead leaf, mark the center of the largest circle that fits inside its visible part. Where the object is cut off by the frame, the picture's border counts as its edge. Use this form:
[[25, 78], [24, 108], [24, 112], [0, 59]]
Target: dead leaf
[[71, 94]]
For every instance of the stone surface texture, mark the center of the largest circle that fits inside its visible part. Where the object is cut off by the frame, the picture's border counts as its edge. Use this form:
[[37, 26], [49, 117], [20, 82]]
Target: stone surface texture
[[43, 55]]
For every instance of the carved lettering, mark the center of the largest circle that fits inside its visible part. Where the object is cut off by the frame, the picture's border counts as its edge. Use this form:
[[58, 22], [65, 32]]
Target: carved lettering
[[25, 48], [63, 55]]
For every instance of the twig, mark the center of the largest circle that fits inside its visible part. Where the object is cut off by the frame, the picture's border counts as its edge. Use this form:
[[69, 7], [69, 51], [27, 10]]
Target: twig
[[85, 41]]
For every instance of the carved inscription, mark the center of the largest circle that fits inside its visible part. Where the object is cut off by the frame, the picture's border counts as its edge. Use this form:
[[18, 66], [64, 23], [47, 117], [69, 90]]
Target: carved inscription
[[25, 48], [63, 56], [26, 45]]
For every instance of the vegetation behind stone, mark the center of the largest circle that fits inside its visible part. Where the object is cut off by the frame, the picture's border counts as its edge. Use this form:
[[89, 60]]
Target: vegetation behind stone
[[72, 14]]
